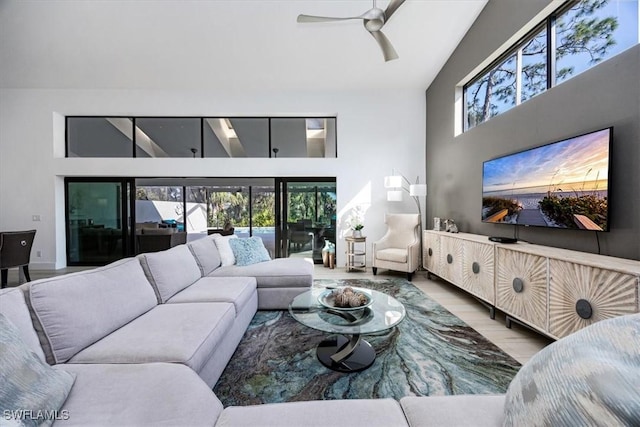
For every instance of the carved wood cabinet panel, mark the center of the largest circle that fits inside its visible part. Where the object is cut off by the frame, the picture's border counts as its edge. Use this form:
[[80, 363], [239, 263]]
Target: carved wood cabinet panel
[[451, 259], [478, 270], [580, 295], [431, 252], [521, 286]]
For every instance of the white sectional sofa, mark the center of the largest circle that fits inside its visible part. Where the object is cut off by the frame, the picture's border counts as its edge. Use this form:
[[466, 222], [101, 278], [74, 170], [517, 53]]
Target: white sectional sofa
[[142, 341]]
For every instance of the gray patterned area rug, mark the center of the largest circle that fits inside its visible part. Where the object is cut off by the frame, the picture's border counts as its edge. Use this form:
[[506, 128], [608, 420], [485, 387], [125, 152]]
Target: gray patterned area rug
[[431, 352]]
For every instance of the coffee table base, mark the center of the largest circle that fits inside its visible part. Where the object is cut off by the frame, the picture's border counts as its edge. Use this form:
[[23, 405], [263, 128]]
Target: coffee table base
[[344, 354]]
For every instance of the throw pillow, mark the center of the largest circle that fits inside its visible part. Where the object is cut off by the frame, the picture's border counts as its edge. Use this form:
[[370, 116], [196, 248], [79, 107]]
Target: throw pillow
[[590, 378], [226, 254], [32, 392], [249, 251]]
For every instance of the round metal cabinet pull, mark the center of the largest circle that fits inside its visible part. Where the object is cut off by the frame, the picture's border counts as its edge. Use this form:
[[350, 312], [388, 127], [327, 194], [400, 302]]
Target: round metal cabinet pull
[[584, 309], [430, 252], [518, 285], [449, 259], [475, 267]]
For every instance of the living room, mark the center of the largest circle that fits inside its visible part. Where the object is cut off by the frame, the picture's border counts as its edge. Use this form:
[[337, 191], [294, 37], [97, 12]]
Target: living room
[[64, 59]]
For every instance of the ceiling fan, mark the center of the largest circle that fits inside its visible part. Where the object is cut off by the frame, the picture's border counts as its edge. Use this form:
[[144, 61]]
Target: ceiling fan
[[373, 20]]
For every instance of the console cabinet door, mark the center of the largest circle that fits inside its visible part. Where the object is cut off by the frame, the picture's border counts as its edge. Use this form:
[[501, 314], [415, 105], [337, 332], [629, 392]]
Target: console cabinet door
[[521, 286], [451, 259], [431, 253], [580, 295], [478, 270]]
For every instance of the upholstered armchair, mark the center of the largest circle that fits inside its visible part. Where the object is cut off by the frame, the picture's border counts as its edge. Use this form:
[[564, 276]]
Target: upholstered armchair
[[15, 251], [399, 248]]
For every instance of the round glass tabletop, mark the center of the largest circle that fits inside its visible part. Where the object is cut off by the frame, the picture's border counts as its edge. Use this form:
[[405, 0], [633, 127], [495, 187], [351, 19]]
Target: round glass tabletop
[[383, 313]]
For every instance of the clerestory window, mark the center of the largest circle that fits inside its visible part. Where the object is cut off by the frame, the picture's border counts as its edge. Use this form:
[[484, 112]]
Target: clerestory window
[[571, 40], [218, 137]]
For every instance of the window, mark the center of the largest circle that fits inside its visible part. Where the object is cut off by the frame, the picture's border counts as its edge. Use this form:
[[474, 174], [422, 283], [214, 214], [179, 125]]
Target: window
[[99, 137], [591, 31], [167, 137], [571, 40], [533, 76], [236, 137], [202, 137], [493, 93]]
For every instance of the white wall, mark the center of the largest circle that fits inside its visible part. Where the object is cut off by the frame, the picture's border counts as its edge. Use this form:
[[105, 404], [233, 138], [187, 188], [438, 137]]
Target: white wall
[[376, 131]]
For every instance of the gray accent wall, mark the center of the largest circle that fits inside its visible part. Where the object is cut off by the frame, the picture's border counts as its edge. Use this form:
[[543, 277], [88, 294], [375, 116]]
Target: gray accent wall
[[606, 95]]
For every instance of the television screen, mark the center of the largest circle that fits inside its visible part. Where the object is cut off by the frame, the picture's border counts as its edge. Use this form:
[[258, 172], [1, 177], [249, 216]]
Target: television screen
[[564, 184]]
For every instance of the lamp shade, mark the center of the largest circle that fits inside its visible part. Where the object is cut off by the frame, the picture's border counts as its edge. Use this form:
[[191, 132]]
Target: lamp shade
[[418, 190], [394, 195], [393, 181]]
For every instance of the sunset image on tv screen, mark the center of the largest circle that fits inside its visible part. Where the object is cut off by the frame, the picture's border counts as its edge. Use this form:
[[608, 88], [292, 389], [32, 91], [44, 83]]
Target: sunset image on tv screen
[[562, 185]]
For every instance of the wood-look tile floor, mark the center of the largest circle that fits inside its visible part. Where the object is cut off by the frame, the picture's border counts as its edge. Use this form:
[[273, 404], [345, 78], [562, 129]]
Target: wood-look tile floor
[[519, 342]]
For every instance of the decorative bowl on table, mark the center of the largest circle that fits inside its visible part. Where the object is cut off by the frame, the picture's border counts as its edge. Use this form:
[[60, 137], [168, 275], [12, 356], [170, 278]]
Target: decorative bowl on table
[[345, 299]]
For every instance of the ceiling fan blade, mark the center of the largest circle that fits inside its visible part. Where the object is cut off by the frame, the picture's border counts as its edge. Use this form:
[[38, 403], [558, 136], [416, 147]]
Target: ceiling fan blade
[[311, 18], [388, 51], [392, 7]]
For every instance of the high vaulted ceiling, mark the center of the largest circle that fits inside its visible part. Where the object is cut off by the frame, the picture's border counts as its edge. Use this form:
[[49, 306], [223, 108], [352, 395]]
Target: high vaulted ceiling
[[216, 44]]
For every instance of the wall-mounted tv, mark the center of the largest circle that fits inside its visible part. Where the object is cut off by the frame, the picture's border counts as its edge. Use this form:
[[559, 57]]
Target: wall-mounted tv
[[564, 184]]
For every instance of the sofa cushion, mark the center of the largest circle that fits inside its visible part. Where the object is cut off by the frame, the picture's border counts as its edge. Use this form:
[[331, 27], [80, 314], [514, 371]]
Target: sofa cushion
[[177, 333], [14, 308], [75, 310], [318, 413], [392, 254], [277, 273], [236, 290], [26, 381], [150, 394], [170, 271], [224, 249], [206, 254], [249, 251], [462, 410], [590, 377]]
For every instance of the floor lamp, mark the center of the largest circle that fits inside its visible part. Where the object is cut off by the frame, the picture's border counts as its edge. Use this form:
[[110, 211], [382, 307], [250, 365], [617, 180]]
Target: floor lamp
[[396, 184]]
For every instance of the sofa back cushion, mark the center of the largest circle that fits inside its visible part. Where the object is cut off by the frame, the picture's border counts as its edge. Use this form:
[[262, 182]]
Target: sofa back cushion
[[14, 308], [76, 310], [170, 271], [206, 254]]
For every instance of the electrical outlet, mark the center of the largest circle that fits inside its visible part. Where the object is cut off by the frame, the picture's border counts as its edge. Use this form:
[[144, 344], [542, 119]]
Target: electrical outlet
[[35, 217], [39, 254]]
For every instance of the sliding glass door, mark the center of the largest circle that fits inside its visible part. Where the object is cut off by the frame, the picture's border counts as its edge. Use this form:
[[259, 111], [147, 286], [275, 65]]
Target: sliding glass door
[[292, 216], [263, 215], [98, 213], [308, 216]]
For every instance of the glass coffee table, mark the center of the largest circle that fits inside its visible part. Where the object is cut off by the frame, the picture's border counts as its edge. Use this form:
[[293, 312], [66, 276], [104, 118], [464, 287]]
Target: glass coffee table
[[346, 351]]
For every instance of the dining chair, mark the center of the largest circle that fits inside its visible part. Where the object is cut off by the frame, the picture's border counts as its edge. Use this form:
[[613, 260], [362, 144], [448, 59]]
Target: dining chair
[[15, 251]]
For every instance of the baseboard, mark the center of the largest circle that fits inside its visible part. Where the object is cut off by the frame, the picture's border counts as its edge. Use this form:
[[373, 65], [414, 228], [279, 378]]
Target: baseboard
[[42, 266]]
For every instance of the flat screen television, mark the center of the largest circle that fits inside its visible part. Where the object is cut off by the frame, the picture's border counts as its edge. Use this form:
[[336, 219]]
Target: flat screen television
[[564, 184]]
